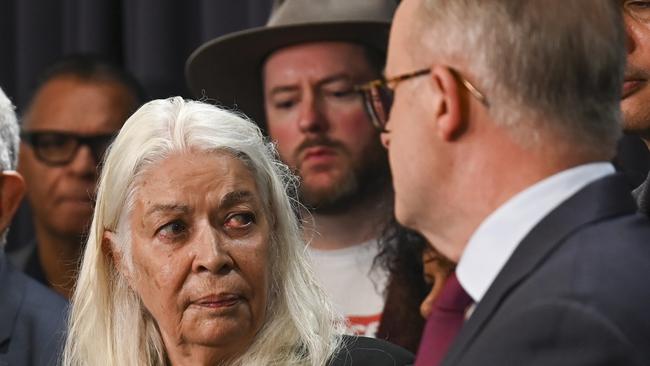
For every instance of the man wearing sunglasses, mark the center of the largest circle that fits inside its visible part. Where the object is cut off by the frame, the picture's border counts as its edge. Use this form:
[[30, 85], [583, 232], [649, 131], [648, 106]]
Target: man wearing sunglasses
[[500, 119], [74, 113], [636, 88], [32, 317]]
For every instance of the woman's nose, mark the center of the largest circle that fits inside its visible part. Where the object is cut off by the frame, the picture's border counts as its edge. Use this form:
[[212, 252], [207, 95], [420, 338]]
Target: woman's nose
[[211, 254]]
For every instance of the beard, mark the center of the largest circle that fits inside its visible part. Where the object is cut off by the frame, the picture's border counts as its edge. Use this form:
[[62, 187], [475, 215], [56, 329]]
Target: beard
[[351, 182]]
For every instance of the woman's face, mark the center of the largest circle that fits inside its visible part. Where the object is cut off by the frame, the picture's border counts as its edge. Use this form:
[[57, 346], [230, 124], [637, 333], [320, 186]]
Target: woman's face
[[200, 244]]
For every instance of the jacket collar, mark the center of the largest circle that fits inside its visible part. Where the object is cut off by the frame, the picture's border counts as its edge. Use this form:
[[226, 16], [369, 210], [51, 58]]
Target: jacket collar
[[606, 197]]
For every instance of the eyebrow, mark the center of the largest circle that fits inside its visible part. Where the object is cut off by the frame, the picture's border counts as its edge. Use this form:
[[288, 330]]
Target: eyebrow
[[228, 200], [234, 197], [330, 79], [167, 207]]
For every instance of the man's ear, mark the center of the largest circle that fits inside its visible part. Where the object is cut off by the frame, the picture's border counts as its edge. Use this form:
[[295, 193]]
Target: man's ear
[[111, 250], [449, 121], [12, 189]]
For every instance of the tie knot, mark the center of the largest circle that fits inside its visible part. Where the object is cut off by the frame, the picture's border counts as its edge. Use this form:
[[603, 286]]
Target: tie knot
[[452, 297]]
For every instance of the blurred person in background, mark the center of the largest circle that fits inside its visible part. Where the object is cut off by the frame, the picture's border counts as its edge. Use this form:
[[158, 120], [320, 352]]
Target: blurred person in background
[[77, 108]]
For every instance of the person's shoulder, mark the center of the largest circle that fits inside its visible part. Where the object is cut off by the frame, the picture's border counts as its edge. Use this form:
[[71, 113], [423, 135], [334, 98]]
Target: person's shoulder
[[36, 295], [38, 318], [42, 311], [364, 351]]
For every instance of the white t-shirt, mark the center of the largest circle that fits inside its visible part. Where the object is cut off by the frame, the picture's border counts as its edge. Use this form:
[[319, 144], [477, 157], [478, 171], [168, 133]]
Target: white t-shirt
[[355, 287]]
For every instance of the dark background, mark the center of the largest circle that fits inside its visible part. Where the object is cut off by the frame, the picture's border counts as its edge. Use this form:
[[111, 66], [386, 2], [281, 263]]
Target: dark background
[[150, 38]]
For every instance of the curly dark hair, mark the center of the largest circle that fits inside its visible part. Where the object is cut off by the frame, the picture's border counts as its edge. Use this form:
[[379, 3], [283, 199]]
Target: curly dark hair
[[401, 254]]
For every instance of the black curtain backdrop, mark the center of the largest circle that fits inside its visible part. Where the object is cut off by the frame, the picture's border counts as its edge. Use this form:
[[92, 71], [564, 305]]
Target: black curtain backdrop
[[150, 38]]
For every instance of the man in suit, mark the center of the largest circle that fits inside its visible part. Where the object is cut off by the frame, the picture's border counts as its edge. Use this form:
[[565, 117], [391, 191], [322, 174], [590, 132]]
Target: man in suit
[[504, 117], [77, 108], [636, 89], [32, 317]]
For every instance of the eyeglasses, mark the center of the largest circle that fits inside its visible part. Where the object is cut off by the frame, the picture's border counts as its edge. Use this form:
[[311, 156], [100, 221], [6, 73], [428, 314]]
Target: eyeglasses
[[378, 95], [59, 148]]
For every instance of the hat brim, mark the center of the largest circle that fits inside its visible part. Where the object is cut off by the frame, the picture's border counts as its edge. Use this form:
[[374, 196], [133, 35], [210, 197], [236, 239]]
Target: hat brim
[[228, 69]]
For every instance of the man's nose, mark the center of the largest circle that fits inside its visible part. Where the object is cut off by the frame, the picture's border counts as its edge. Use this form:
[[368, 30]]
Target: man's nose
[[84, 162], [312, 117]]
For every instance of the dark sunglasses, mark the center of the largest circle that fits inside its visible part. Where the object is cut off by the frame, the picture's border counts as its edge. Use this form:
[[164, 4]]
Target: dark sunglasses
[[378, 95], [59, 148]]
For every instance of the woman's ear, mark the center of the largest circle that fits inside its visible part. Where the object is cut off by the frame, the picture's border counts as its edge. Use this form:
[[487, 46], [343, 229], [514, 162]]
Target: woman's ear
[[111, 250], [449, 118], [12, 189]]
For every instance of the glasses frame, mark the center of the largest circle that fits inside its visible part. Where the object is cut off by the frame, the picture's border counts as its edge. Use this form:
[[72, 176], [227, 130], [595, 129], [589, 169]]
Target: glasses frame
[[91, 141], [368, 91]]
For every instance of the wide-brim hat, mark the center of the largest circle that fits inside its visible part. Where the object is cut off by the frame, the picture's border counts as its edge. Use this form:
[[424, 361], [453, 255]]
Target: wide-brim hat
[[228, 69]]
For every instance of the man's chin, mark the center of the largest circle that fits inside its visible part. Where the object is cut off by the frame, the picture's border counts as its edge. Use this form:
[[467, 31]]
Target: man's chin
[[329, 200]]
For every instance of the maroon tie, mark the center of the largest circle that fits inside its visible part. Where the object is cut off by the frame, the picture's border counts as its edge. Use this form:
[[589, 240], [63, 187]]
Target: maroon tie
[[444, 322]]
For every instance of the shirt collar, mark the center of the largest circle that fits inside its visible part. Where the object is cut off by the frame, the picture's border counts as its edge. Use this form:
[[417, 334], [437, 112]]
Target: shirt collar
[[497, 237]]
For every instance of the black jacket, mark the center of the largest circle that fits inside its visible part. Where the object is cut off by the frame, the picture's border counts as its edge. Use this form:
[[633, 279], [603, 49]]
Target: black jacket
[[362, 351]]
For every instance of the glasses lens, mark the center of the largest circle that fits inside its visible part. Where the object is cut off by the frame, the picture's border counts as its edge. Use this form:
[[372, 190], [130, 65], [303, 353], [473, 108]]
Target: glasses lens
[[54, 148], [99, 144], [379, 100]]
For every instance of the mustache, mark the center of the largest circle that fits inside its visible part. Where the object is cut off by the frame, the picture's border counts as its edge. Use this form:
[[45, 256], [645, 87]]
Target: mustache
[[321, 141]]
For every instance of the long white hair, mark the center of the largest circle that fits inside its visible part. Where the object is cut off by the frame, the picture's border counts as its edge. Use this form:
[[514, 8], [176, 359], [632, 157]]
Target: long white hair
[[108, 323]]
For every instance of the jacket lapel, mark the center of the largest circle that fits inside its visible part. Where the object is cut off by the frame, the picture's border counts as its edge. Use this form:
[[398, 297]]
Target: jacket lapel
[[606, 197]]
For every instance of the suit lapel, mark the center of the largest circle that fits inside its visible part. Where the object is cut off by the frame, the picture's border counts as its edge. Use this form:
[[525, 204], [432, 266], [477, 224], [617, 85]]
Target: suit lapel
[[606, 197]]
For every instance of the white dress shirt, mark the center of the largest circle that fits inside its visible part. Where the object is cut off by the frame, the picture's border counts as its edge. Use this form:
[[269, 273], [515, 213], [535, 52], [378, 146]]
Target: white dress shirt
[[500, 233]]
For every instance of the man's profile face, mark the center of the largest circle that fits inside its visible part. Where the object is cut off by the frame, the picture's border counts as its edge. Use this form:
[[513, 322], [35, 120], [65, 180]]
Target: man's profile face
[[61, 196], [636, 89], [416, 177], [319, 122]]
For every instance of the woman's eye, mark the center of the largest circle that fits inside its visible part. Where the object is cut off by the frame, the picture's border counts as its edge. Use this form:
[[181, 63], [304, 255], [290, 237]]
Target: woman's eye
[[638, 9], [172, 230], [638, 4], [239, 221]]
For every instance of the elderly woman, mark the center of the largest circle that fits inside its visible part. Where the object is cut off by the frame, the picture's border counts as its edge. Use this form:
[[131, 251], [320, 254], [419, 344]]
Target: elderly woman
[[195, 256]]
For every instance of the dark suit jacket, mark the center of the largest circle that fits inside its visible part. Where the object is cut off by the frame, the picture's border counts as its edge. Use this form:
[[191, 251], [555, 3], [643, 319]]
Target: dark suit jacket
[[362, 351], [32, 320], [575, 291]]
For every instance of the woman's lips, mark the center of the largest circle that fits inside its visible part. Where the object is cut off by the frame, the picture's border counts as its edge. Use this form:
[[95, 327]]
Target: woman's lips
[[219, 301], [630, 86]]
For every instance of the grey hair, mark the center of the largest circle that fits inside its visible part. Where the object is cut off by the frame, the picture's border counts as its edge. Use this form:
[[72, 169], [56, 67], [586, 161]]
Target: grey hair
[[109, 324], [546, 66], [9, 141]]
